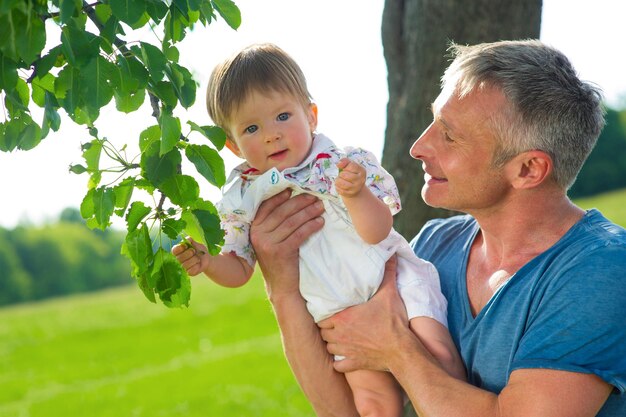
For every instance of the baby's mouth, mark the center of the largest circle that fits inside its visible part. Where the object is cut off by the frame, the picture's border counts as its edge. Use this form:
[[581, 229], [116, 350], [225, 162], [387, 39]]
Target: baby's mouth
[[278, 154]]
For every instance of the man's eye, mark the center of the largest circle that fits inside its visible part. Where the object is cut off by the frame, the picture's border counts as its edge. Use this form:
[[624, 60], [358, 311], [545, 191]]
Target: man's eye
[[251, 129], [447, 137], [283, 116]]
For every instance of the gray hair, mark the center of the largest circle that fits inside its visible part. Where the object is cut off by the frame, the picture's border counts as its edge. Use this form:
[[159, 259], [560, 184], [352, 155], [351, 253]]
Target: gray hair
[[550, 110]]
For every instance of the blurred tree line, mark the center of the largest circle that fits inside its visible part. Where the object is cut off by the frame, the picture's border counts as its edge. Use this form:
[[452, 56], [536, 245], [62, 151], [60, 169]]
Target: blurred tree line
[[605, 169], [58, 259]]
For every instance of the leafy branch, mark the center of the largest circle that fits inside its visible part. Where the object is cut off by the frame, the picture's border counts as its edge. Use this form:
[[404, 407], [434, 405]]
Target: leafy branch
[[92, 65]]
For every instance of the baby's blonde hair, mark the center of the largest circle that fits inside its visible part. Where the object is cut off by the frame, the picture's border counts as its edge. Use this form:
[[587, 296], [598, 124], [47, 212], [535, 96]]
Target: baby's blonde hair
[[260, 67]]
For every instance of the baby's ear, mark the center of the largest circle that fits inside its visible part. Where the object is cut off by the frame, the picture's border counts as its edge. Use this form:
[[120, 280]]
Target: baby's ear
[[232, 145], [312, 116]]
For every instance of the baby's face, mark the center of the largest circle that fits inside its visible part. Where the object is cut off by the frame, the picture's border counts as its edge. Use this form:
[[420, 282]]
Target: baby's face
[[272, 130]]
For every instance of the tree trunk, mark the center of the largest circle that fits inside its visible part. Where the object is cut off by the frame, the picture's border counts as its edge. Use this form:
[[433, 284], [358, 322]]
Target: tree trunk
[[415, 35]]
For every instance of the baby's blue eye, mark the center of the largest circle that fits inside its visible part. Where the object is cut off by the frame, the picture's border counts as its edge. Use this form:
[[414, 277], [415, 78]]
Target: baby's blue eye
[[283, 116], [251, 129]]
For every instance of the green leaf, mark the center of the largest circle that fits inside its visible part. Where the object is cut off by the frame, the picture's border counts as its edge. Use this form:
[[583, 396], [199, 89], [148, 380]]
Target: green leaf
[[159, 168], [172, 227], [195, 4], [138, 211], [91, 153], [208, 163], [214, 133], [95, 77], [17, 99], [229, 12], [165, 91], [183, 83], [123, 193], [40, 86], [128, 11], [78, 169], [32, 39], [23, 34], [204, 227], [8, 73], [175, 25], [20, 132], [149, 136], [68, 8], [68, 89], [171, 53], [103, 13], [51, 117], [138, 248], [182, 190], [44, 64], [170, 279], [170, 132], [207, 13], [104, 204], [79, 46], [87, 207], [157, 10], [132, 74], [129, 102], [154, 60]]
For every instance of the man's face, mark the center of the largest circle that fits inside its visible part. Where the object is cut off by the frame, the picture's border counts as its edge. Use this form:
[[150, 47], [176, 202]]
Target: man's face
[[457, 150]]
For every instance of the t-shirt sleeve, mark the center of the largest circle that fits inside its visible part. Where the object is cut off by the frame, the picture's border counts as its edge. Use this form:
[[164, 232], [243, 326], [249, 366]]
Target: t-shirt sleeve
[[378, 180], [578, 320]]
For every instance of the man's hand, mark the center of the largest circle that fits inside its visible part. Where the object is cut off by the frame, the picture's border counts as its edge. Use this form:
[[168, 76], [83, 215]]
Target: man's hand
[[281, 225], [365, 333]]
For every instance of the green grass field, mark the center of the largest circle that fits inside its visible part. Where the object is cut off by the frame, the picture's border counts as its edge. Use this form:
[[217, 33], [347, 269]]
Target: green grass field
[[113, 353], [612, 204]]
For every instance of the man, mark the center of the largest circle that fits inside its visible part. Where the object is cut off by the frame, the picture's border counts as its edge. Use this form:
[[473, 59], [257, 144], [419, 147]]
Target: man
[[536, 286]]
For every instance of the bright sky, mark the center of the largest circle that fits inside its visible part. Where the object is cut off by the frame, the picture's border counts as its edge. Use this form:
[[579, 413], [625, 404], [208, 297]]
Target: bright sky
[[338, 46]]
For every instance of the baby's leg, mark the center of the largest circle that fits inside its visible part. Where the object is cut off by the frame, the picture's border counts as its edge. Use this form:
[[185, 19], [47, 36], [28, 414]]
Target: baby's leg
[[376, 394], [436, 338]]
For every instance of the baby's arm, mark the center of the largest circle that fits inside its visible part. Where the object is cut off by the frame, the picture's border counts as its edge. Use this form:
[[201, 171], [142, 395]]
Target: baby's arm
[[227, 270], [371, 217]]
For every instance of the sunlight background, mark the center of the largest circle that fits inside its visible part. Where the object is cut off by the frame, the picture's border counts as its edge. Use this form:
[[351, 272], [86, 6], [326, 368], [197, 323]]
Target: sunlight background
[[338, 45]]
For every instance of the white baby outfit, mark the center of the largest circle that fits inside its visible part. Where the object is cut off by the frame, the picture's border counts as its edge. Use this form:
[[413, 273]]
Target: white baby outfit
[[337, 268]]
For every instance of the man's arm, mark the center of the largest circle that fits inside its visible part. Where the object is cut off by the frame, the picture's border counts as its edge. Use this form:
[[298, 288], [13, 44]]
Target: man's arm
[[280, 227], [375, 335]]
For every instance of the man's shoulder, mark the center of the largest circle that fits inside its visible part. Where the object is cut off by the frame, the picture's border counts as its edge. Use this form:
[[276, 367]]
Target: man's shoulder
[[453, 224], [440, 232]]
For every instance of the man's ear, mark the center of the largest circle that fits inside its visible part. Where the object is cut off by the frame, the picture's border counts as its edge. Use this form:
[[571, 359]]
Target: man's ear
[[529, 169], [232, 145], [312, 116]]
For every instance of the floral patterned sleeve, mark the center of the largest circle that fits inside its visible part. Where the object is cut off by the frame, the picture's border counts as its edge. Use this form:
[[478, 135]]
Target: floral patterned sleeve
[[379, 181], [236, 236]]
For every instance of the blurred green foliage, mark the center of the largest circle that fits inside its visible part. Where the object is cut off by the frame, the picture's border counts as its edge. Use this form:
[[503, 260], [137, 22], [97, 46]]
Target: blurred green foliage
[[605, 169], [58, 259]]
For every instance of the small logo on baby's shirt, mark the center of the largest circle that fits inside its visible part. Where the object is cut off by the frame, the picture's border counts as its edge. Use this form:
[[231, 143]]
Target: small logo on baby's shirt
[[274, 177]]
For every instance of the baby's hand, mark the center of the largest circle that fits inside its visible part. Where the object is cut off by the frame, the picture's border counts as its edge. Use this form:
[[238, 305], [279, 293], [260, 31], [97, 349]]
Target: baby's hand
[[351, 178], [193, 256]]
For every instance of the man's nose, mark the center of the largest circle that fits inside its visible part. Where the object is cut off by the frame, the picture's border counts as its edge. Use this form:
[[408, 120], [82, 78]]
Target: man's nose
[[419, 148]]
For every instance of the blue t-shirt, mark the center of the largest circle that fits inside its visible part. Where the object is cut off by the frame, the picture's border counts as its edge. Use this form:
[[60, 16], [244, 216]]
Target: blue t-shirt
[[564, 310]]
